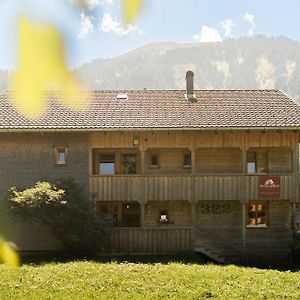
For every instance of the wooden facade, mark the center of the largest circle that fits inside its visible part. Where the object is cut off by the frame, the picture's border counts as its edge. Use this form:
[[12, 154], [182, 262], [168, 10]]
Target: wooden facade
[[171, 191], [210, 173]]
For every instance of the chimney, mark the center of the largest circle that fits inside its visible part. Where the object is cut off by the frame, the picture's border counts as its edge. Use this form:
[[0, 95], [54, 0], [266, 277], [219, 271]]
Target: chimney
[[190, 95]]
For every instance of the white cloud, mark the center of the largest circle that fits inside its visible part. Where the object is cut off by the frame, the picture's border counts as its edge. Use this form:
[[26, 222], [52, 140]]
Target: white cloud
[[86, 25], [93, 3], [207, 34], [108, 24], [249, 18], [227, 25]]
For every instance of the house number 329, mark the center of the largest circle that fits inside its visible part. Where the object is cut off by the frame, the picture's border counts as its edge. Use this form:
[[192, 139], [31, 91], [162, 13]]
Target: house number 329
[[215, 209]]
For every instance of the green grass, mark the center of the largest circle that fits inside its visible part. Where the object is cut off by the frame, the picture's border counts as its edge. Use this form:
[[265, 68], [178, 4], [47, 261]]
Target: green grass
[[129, 280]]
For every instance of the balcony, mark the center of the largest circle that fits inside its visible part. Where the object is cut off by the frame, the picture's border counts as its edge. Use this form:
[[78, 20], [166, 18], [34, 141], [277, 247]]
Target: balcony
[[193, 188]]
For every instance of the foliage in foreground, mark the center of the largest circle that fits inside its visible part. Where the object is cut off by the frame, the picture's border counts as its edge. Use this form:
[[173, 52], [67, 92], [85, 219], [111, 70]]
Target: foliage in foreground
[[94, 280], [66, 209], [8, 253]]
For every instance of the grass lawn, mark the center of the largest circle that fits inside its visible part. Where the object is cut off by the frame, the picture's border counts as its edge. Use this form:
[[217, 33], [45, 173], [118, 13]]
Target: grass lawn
[[132, 280]]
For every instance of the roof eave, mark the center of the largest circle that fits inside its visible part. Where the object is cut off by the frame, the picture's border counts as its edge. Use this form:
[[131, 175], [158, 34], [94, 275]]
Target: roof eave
[[245, 128]]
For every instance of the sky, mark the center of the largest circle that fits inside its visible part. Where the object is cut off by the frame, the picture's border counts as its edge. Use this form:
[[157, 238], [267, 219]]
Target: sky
[[100, 31]]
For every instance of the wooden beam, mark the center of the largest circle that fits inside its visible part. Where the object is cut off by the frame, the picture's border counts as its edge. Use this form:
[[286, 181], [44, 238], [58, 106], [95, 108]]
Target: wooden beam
[[193, 235], [193, 161], [142, 168], [243, 187], [142, 214], [296, 169], [244, 231]]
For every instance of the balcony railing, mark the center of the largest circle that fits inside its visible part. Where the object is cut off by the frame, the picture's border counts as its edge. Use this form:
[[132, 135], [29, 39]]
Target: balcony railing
[[151, 240], [186, 187]]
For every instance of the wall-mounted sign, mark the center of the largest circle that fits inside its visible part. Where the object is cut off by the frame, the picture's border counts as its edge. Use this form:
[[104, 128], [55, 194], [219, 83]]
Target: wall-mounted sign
[[269, 186]]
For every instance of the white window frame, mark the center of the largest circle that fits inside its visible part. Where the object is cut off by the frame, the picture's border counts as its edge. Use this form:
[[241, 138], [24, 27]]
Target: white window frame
[[59, 150]]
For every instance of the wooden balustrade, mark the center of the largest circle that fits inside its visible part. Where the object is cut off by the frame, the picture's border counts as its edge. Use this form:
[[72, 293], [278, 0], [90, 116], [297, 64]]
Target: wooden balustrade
[[191, 188], [159, 240]]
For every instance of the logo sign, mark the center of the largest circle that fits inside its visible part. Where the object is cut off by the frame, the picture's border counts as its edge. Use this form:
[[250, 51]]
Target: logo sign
[[269, 186]]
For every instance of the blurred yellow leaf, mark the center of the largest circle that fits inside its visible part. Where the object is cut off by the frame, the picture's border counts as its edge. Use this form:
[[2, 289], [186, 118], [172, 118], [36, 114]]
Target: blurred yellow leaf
[[8, 255], [41, 66], [82, 3], [131, 9]]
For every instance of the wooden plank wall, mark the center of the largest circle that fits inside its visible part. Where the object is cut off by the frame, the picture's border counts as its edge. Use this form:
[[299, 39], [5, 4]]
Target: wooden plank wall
[[286, 187], [273, 241], [194, 139], [197, 141], [170, 161], [218, 187], [183, 188], [280, 160], [167, 185], [164, 188], [179, 214], [151, 240], [116, 188], [219, 161], [218, 227]]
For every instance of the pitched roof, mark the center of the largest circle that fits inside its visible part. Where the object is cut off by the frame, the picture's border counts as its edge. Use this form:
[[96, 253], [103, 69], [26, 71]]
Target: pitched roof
[[162, 109]]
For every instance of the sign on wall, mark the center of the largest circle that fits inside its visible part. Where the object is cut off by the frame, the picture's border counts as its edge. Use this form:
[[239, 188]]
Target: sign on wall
[[269, 186]]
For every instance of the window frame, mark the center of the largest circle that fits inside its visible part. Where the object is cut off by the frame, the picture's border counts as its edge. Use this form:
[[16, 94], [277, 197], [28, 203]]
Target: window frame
[[184, 165], [150, 165], [137, 208], [255, 151], [110, 161], [166, 220], [118, 154], [126, 153], [265, 210], [57, 151]]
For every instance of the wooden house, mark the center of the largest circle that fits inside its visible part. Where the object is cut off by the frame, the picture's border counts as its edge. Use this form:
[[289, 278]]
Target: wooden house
[[209, 171]]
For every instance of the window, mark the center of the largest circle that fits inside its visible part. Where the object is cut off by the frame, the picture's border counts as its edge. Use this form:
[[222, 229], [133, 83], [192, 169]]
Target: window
[[129, 163], [109, 211], [130, 215], [153, 161], [115, 161], [61, 155], [163, 217], [107, 164], [187, 160], [257, 162], [257, 215]]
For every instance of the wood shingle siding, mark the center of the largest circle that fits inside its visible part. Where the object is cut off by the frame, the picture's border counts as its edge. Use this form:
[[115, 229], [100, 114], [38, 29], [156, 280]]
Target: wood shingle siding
[[33, 236], [28, 158]]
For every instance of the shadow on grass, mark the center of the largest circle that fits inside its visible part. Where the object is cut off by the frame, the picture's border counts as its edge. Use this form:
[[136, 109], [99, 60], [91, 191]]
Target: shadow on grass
[[185, 258], [43, 258]]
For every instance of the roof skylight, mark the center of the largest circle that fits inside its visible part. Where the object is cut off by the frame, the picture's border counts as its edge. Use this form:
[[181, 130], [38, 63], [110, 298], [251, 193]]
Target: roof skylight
[[122, 96]]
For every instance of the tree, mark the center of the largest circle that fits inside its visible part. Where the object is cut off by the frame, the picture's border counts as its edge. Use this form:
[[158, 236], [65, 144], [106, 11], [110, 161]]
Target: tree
[[69, 213]]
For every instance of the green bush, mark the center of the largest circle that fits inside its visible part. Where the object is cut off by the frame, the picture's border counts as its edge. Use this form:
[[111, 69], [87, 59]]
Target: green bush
[[67, 210]]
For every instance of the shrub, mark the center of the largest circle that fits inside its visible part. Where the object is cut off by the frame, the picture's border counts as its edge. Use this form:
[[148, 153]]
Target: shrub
[[67, 210]]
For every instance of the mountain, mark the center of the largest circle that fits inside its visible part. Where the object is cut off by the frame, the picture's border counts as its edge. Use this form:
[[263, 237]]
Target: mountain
[[4, 78], [245, 63]]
